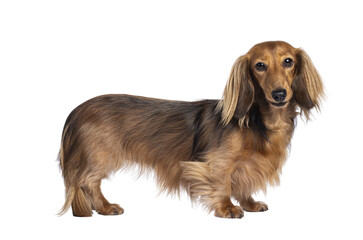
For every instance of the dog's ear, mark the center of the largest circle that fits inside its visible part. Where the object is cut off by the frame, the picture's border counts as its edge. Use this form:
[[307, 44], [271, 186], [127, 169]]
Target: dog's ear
[[238, 94], [307, 85]]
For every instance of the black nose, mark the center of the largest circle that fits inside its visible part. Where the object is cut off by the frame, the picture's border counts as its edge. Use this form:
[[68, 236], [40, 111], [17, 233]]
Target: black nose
[[279, 95]]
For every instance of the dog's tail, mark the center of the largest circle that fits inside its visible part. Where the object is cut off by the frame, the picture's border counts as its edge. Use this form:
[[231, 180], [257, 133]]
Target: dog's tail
[[70, 194], [70, 190], [75, 195]]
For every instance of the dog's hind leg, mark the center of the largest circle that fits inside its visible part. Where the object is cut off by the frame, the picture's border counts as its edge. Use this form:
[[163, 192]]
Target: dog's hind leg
[[99, 202]]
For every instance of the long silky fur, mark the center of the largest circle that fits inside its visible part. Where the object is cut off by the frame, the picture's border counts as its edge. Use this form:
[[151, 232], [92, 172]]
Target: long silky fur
[[212, 149]]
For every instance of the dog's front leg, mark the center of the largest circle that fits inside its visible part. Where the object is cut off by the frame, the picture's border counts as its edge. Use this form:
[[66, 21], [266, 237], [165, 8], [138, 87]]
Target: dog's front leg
[[212, 187], [223, 207]]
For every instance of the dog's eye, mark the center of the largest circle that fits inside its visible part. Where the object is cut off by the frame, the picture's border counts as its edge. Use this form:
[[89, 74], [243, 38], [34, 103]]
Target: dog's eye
[[260, 66], [288, 62]]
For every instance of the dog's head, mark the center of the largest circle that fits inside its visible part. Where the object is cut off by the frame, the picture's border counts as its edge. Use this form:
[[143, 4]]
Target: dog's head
[[282, 72]]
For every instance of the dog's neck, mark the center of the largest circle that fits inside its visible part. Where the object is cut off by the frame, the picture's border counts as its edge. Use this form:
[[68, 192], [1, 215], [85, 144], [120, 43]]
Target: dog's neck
[[278, 119], [270, 123]]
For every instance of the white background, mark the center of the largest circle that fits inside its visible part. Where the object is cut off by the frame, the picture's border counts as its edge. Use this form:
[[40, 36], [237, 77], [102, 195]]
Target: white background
[[56, 54]]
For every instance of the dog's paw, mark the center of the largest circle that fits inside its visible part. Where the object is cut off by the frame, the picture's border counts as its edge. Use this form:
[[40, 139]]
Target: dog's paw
[[229, 212], [112, 209], [255, 207]]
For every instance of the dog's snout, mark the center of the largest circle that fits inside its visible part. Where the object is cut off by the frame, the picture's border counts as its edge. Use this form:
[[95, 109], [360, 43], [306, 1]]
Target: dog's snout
[[279, 95]]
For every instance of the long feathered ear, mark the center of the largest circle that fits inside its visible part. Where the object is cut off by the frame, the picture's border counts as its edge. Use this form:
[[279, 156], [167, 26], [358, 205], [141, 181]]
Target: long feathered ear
[[238, 94], [307, 85]]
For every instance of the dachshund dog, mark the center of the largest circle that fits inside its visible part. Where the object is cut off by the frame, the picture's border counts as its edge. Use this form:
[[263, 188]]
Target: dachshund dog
[[215, 150]]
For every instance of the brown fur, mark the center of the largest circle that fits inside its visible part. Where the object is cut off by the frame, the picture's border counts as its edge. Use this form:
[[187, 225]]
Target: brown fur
[[214, 149]]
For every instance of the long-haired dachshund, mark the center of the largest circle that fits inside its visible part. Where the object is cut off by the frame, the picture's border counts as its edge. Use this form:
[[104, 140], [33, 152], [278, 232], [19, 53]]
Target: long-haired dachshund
[[214, 149]]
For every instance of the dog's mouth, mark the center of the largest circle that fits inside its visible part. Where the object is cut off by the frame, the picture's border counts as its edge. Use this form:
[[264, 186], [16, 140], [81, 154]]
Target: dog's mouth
[[280, 104]]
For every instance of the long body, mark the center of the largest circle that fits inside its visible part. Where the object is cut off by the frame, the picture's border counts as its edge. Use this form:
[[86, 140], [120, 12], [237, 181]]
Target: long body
[[214, 149], [119, 130]]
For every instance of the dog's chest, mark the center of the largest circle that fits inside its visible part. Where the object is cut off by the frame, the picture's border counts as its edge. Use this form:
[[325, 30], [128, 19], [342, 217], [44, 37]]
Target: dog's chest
[[255, 169]]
